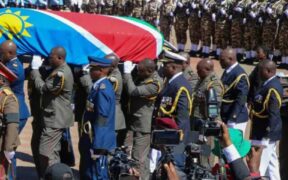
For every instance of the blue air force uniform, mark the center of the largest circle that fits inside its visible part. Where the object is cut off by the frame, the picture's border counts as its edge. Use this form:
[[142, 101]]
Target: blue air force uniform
[[98, 129], [18, 88], [236, 88]]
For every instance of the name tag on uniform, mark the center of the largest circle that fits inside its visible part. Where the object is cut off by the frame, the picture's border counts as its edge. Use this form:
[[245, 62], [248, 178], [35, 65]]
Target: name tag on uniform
[[89, 106]]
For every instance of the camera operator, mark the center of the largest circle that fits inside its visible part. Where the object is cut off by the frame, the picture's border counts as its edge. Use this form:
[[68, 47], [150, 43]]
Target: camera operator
[[208, 79], [239, 170]]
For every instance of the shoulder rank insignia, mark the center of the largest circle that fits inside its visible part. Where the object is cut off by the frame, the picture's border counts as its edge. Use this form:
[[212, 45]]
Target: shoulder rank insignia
[[7, 91], [102, 86]]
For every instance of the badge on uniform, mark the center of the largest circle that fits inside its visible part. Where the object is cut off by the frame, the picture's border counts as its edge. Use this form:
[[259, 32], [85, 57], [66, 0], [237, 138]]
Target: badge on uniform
[[15, 64], [166, 101], [89, 106], [258, 99], [102, 86]]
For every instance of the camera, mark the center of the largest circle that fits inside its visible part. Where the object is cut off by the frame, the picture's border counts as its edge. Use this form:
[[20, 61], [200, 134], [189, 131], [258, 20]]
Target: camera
[[169, 137]]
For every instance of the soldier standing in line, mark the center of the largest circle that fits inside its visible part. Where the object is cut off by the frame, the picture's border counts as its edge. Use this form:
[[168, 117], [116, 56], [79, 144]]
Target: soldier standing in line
[[107, 8], [206, 25], [57, 114], [9, 110], [137, 11], [181, 14], [119, 8], [251, 31], [283, 35], [142, 92], [188, 72], [151, 12], [166, 18], [194, 26]]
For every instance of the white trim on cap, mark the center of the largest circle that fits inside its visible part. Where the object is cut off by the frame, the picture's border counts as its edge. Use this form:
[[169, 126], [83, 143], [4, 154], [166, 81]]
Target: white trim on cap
[[174, 56]]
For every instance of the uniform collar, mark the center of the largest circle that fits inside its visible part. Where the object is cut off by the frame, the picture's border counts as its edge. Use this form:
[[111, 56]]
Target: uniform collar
[[267, 81], [96, 84], [228, 70], [175, 76]]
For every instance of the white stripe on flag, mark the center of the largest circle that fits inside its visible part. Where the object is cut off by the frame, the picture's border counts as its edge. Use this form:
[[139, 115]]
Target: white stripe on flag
[[155, 33], [90, 37]]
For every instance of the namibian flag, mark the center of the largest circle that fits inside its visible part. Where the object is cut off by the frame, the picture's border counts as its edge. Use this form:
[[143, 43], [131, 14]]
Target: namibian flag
[[37, 32]]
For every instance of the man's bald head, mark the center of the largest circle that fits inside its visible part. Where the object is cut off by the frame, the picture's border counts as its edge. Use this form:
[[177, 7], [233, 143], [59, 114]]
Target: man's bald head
[[205, 67], [267, 69], [227, 58], [146, 68], [57, 56], [8, 51]]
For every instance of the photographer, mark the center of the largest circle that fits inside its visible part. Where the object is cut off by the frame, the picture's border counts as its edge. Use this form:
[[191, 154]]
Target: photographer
[[239, 170]]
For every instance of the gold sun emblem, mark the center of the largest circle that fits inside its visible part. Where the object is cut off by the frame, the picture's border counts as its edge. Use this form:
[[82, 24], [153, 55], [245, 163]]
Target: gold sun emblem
[[13, 24]]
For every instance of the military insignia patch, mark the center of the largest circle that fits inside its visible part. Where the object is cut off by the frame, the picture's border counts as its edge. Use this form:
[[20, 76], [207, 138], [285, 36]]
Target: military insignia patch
[[258, 99], [102, 86]]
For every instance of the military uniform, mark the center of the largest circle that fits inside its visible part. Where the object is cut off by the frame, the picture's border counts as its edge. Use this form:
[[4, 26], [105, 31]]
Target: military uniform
[[42, 4], [151, 12], [119, 7], [236, 87], [56, 111], [98, 132], [30, 4], [222, 28], [137, 11], [9, 139], [181, 23], [56, 5], [142, 95], [191, 77], [267, 124], [207, 25], [283, 34], [194, 27], [107, 8], [166, 19], [115, 78]]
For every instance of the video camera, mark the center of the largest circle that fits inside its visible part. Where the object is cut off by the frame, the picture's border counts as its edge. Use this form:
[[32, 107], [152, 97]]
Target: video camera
[[210, 127]]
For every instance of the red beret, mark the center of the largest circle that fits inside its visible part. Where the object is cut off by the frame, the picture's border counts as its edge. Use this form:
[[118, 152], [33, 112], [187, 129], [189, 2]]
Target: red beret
[[5, 72], [166, 123]]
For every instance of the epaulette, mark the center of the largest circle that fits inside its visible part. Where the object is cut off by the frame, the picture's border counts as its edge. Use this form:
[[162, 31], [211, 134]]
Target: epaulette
[[7, 91]]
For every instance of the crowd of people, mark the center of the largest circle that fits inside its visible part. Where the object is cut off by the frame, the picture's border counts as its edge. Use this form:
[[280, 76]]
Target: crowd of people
[[212, 25], [122, 104]]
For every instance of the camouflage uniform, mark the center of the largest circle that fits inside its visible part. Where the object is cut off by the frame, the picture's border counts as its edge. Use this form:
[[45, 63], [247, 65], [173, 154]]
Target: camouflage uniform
[[166, 18], [191, 77], [107, 9], [119, 8], [90, 7], [181, 23], [194, 26], [137, 11], [251, 29], [207, 25], [237, 26], [151, 11], [222, 28], [283, 34], [9, 139]]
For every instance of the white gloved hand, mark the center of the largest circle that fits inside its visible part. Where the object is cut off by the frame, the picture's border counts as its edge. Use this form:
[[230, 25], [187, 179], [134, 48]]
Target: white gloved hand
[[187, 11], [244, 20], [179, 4], [36, 62], [252, 14], [199, 14], [171, 14], [86, 69], [213, 17], [206, 7], [222, 11], [112, 79], [260, 20], [230, 17], [128, 67], [286, 12], [269, 10], [157, 22], [238, 9], [193, 5], [9, 155]]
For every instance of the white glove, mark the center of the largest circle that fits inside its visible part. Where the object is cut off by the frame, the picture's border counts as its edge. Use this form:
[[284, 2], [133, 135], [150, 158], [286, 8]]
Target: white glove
[[206, 7], [260, 20], [230, 17], [269, 10], [187, 11], [193, 5], [36, 62], [238, 9], [286, 12], [252, 14], [157, 22], [112, 79], [9, 155], [222, 11], [171, 14], [244, 20], [199, 14], [179, 4], [213, 17], [86, 69], [128, 67]]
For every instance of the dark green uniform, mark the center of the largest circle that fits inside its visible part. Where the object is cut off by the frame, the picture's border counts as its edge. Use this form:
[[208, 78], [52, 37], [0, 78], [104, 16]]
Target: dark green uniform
[[166, 19]]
